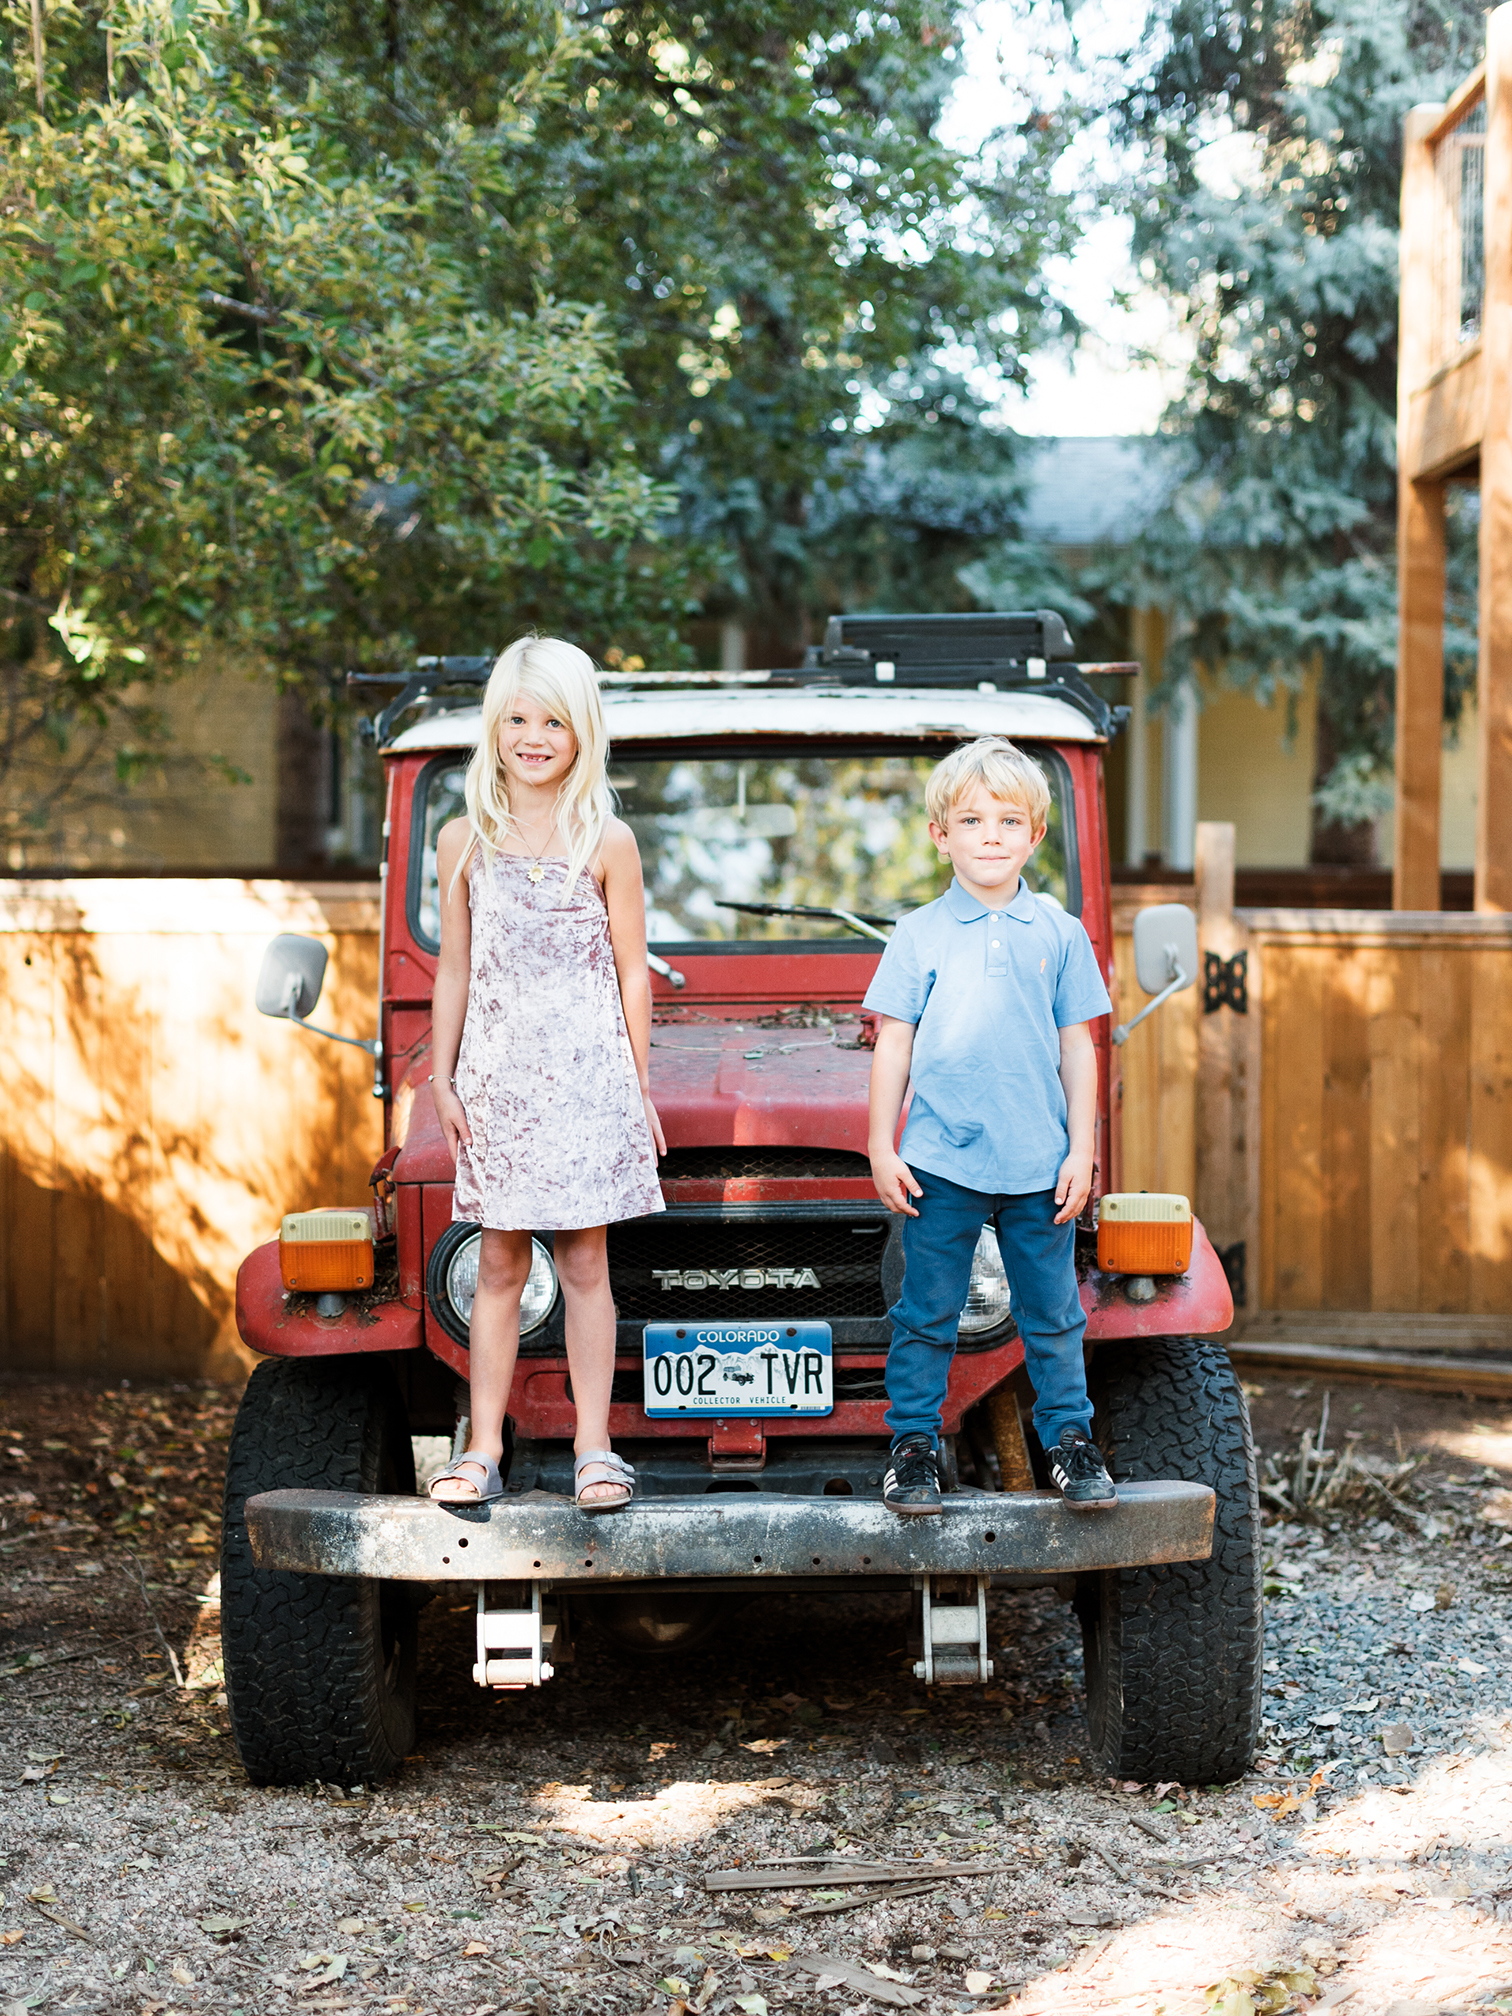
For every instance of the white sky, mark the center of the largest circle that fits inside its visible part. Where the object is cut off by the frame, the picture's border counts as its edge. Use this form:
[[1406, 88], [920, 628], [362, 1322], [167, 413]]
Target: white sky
[[1122, 375]]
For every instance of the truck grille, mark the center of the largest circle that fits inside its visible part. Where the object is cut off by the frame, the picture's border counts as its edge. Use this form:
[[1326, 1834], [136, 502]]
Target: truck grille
[[772, 1163], [843, 1254]]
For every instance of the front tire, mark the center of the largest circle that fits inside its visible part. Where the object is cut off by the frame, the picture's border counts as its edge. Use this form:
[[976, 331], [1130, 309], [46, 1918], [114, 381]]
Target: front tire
[[320, 1671], [1174, 1654]]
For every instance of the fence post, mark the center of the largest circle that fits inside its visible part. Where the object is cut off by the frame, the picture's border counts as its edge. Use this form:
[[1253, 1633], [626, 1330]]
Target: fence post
[[1222, 1198], [1493, 810]]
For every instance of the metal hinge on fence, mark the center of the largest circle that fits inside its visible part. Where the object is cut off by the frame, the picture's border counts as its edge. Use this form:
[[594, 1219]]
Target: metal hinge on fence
[[1225, 983]]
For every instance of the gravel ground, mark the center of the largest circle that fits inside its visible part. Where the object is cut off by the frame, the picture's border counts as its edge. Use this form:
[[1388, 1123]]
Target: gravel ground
[[549, 1852]]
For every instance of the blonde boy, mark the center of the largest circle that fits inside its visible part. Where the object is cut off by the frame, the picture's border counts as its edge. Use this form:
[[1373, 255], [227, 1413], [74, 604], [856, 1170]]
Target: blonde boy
[[986, 996]]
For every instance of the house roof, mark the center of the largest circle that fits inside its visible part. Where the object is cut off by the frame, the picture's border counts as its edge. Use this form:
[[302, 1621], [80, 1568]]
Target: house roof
[[1095, 489]]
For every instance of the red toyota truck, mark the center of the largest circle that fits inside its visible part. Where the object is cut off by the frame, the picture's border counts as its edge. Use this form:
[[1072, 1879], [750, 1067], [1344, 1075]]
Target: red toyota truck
[[781, 827]]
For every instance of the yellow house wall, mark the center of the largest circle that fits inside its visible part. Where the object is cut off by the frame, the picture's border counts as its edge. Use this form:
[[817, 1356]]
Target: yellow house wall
[[1250, 773], [1457, 795], [181, 815]]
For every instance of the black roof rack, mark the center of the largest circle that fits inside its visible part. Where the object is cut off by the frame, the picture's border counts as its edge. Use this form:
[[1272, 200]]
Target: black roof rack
[[1028, 651]]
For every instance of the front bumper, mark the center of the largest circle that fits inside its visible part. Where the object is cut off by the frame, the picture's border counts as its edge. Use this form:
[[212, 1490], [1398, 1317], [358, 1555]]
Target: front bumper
[[728, 1537]]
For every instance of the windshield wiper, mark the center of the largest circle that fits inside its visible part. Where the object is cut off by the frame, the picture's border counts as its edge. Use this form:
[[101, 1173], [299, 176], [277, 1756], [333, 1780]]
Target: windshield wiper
[[861, 921]]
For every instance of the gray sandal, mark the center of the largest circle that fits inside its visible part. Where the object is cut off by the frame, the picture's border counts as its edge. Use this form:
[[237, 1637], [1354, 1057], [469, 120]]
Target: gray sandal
[[615, 1471], [492, 1486]]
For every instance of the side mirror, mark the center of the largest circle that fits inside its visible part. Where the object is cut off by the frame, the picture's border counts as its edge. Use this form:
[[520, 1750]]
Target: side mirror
[[1165, 945], [291, 976], [289, 981], [1165, 958]]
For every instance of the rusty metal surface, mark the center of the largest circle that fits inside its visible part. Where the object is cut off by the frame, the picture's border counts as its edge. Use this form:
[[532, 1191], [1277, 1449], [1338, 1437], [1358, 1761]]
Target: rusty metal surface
[[723, 1536]]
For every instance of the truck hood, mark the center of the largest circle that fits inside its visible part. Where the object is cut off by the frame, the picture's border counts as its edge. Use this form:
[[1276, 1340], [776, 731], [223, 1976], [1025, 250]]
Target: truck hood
[[715, 1084]]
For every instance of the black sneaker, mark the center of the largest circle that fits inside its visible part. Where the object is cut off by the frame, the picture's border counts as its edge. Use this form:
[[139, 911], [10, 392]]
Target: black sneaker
[[912, 1483], [1079, 1474]]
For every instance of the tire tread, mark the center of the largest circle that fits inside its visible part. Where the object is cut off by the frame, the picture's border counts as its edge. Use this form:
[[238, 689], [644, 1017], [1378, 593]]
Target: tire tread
[[1175, 1654], [308, 1694]]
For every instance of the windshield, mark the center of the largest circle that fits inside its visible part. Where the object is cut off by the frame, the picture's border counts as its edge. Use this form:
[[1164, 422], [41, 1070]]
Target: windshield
[[844, 828]]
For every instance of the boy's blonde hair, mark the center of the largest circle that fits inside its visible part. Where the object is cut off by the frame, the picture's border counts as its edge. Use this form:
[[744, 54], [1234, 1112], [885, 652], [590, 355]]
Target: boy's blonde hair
[[994, 761], [559, 676]]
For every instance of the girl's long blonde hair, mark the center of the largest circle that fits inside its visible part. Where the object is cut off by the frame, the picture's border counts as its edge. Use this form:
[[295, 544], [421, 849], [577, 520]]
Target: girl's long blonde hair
[[559, 676]]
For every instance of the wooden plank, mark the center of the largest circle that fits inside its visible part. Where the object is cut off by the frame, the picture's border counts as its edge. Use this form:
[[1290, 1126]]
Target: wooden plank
[[1254, 1122], [1442, 425], [1293, 1091], [1158, 1066], [1387, 1368], [1395, 1038], [1493, 808], [1419, 695], [1489, 1202], [1442, 119], [1443, 1128], [1411, 1330], [26, 993], [1345, 1171], [1220, 1109], [88, 1108], [1376, 927]]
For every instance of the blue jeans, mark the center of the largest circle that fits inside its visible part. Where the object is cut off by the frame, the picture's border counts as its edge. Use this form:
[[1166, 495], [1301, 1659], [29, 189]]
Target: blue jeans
[[1039, 1260]]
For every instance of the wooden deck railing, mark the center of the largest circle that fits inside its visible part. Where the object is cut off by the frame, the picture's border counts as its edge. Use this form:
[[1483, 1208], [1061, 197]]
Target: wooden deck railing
[[1454, 421]]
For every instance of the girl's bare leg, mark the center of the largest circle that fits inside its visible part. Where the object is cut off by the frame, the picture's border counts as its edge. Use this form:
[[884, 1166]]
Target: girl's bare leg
[[503, 1269], [582, 1264]]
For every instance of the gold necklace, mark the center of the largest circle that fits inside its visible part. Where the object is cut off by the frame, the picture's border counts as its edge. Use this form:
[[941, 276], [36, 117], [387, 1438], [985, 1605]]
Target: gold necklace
[[535, 872]]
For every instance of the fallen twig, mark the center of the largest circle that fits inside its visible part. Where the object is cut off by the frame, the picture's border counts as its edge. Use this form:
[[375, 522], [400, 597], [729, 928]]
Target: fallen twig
[[41, 1533], [57, 1917], [1091, 1848], [830, 1874], [1148, 1827], [853, 1976], [892, 1894], [178, 1671]]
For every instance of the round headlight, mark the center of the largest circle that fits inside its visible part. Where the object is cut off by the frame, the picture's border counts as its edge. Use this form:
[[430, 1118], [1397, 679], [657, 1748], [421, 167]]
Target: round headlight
[[540, 1287], [987, 1297]]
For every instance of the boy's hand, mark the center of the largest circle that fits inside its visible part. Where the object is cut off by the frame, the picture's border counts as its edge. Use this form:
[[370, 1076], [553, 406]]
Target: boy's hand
[[896, 1182], [1073, 1186]]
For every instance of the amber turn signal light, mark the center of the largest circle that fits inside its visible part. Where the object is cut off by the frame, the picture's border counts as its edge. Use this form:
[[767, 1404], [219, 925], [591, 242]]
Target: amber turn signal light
[[325, 1252], [1144, 1232]]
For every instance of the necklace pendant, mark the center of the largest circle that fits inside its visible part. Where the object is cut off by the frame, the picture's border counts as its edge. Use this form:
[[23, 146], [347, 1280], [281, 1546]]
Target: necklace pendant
[[535, 872]]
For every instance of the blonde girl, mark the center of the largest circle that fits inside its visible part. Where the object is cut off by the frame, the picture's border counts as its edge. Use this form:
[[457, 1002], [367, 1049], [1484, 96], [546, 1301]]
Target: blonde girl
[[541, 1025]]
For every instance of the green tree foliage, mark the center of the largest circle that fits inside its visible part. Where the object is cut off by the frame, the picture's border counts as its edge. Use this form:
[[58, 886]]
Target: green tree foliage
[[251, 392], [335, 332], [1278, 547], [786, 252]]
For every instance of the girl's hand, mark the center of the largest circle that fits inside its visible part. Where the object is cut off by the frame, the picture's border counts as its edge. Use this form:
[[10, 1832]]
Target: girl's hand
[[453, 1117], [654, 1123]]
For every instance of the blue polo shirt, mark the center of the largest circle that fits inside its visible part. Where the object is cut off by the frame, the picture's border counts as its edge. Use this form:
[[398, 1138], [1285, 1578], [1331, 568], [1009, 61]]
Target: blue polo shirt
[[989, 991]]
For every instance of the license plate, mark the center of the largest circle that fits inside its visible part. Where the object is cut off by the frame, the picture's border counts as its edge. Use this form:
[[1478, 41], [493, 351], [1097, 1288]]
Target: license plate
[[738, 1368]]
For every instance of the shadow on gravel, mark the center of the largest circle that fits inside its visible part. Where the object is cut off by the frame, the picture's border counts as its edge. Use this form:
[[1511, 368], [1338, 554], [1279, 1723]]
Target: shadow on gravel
[[547, 1851]]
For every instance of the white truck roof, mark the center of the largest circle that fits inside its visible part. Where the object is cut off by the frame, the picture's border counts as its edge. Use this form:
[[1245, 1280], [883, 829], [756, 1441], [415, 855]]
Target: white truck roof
[[698, 713]]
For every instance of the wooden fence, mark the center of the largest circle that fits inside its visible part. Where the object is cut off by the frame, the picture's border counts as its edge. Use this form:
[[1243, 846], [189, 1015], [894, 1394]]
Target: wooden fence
[[154, 1125], [1385, 1066], [1347, 1139]]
